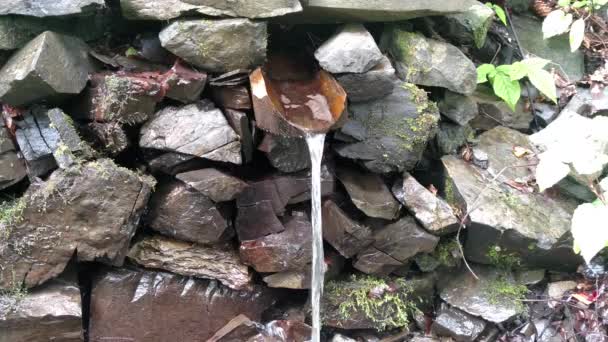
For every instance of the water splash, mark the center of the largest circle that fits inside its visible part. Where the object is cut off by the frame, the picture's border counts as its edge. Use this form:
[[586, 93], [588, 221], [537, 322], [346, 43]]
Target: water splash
[[315, 147]]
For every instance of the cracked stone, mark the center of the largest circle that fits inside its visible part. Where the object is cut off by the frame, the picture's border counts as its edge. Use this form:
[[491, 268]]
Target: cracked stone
[[213, 183], [344, 234]]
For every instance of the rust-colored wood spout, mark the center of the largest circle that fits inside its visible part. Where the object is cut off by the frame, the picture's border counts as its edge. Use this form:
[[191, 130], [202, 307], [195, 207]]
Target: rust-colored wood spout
[[292, 100]]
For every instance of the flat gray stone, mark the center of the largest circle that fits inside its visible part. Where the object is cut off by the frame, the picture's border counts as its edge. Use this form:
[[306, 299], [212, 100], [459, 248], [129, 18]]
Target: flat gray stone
[[52, 312], [433, 213], [469, 27], [217, 45], [351, 49], [458, 108], [391, 133], [196, 129], [451, 137], [494, 112], [170, 9], [33, 74], [219, 262], [457, 324], [369, 193], [213, 183], [429, 62], [374, 84], [45, 8]]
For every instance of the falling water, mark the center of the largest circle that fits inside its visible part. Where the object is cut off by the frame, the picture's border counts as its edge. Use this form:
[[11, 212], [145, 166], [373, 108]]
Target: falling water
[[315, 146]]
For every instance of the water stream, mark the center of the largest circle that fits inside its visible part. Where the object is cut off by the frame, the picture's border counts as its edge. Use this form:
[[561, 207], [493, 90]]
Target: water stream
[[315, 146]]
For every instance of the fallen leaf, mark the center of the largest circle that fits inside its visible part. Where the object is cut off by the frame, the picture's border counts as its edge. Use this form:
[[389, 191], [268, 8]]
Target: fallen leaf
[[432, 189], [520, 151]]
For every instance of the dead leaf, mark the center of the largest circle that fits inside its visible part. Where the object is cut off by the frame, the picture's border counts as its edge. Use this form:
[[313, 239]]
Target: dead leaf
[[432, 189], [519, 151]]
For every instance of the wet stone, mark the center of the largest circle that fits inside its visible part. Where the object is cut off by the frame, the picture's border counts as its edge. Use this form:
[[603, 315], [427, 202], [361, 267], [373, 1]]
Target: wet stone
[[47, 230], [217, 45], [32, 74], [49, 9], [219, 262], [344, 234], [213, 183], [12, 168], [170, 163], [433, 213], [469, 27], [374, 84], [458, 108], [284, 330], [429, 62], [134, 304], [186, 214], [235, 97], [197, 129], [457, 324], [51, 312], [286, 154], [351, 49], [284, 251], [389, 134], [184, 84], [369, 193]]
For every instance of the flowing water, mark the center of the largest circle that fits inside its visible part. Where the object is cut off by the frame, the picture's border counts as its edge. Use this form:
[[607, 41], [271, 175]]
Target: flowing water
[[315, 146]]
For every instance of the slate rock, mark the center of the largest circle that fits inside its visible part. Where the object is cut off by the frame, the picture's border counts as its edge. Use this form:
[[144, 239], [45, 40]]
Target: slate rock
[[494, 112], [285, 154], [171, 163], [433, 213], [33, 74], [51, 312], [351, 49], [213, 183], [170, 9], [241, 125], [400, 241], [467, 28], [49, 9], [585, 103], [110, 138], [556, 49], [217, 45], [532, 228], [545, 113], [374, 84], [284, 330], [284, 251], [481, 298], [186, 214], [12, 168], [458, 108], [196, 129], [342, 232], [457, 324], [141, 305], [391, 133], [369, 193], [429, 62], [234, 97], [184, 84], [389, 10], [62, 217], [557, 289], [219, 262], [451, 137]]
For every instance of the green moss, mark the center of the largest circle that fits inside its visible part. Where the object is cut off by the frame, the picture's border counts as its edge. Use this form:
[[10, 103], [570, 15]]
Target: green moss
[[11, 212], [383, 302], [13, 295], [445, 251], [502, 259], [502, 291]]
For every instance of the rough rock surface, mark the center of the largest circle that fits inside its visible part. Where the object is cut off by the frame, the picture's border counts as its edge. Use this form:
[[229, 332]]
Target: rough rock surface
[[344, 234], [369, 193], [457, 324], [12, 168], [240, 123], [532, 227], [285, 154], [210, 262], [213, 183], [217, 45], [374, 84], [433, 213], [458, 108], [62, 217], [494, 112], [429, 62], [469, 27], [51, 312], [284, 251], [197, 129], [157, 306], [170, 9], [107, 137], [48, 8], [351, 49], [481, 297], [451, 137], [389, 134], [33, 74], [186, 214], [234, 97]]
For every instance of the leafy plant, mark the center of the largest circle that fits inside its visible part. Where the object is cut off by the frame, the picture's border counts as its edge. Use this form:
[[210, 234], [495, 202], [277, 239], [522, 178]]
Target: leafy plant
[[561, 20], [500, 12], [505, 79]]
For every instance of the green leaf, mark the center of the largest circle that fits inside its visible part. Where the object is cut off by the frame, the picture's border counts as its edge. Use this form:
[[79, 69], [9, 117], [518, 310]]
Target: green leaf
[[589, 229], [500, 13], [483, 71], [556, 23], [544, 82], [508, 90], [519, 70], [577, 33], [535, 63], [580, 4], [563, 3], [131, 51]]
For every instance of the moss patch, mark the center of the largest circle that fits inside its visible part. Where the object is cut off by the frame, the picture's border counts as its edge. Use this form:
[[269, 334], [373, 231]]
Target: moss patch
[[502, 259], [500, 291], [10, 213]]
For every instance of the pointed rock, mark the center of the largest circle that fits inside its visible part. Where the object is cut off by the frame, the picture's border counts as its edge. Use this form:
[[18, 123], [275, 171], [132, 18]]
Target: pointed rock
[[63, 217], [218, 186], [374, 84], [32, 74], [12, 168], [457, 324], [344, 234], [458, 108]]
